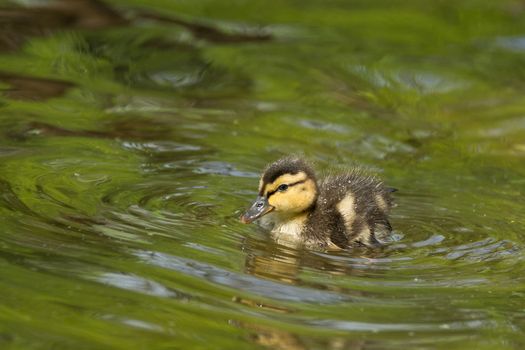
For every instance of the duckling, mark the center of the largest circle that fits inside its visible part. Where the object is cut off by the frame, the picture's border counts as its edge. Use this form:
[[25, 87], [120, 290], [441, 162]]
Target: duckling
[[337, 212]]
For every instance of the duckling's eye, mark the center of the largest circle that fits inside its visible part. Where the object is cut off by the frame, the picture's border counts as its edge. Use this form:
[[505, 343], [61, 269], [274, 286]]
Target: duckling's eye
[[282, 188]]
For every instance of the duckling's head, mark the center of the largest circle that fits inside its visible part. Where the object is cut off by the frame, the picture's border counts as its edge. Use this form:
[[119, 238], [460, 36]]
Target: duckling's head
[[287, 187]]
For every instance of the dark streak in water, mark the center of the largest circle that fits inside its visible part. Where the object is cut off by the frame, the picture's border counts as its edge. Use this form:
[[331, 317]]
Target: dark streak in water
[[32, 88], [207, 32]]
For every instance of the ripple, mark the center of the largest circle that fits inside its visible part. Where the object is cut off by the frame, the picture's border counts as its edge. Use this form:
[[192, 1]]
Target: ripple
[[424, 82], [96, 179], [354, 326], [175, 79], [160, 146], [222, 168], [136, 284], [139, 324], [378, 146], [237, 281], [486, 250], [321, 125], [432, 240], [515, 43], [121, 234], [502, 128]]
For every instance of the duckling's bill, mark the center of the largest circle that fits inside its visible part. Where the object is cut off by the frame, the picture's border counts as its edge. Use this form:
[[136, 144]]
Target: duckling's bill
[[259, 208]]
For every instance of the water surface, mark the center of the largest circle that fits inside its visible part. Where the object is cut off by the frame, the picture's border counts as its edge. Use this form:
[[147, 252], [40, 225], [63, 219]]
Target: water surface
[[133, 133]]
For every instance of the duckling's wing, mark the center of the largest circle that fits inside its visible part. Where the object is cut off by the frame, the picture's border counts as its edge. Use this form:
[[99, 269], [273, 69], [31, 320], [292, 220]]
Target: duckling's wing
[[362, 201]]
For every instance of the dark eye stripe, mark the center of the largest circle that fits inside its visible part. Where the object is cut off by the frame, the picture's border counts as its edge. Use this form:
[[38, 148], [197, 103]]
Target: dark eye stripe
[[289, 185]]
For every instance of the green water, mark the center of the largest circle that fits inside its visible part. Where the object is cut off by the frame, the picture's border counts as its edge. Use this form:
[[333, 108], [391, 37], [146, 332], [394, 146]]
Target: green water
[[132, 134]]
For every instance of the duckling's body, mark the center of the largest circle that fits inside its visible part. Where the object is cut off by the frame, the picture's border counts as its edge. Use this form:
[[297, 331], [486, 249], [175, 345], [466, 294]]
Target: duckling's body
[[339, 211]]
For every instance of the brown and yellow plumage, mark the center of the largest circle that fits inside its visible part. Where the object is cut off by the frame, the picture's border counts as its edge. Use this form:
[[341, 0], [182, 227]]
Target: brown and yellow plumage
[[340, 211]]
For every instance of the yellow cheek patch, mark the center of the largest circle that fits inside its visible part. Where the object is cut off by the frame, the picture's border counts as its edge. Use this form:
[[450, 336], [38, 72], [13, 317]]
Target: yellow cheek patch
[[296, 199], [275, 200], [286, 201], [285, 179]]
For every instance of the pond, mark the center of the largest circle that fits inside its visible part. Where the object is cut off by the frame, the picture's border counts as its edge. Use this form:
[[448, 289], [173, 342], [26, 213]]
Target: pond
[[133, 134]]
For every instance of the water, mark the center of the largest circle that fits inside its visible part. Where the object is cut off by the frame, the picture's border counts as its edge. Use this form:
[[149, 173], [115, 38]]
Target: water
[[133, 134]]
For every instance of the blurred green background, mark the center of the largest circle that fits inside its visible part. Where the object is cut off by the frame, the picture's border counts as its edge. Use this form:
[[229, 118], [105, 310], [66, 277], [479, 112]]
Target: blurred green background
[[132, 134]]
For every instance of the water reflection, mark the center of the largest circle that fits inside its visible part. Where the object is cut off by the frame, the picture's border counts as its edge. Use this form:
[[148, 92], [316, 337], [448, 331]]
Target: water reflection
[[274, 261], [272, 338]]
